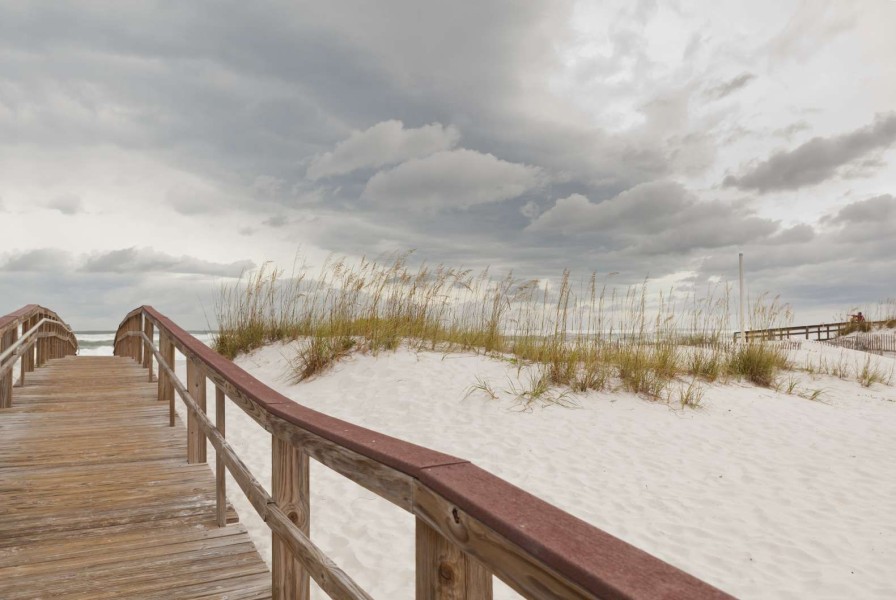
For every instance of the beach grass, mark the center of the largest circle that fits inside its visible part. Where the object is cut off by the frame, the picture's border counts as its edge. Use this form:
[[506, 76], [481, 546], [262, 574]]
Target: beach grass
[[580, 335]]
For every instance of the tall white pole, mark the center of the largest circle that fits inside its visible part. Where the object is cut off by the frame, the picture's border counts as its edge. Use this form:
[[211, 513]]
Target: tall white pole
[[743, 332]]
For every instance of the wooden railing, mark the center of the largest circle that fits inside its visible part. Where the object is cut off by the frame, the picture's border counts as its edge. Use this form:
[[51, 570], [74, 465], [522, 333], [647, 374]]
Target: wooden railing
[[30, 336], [820, 332], [470, 524]]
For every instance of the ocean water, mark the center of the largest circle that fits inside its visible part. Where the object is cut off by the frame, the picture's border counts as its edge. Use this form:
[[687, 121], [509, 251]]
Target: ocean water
[[100, 343]]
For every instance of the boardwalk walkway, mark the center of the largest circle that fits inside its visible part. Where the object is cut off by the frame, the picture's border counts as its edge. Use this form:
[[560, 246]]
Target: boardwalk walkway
[[97, 499]]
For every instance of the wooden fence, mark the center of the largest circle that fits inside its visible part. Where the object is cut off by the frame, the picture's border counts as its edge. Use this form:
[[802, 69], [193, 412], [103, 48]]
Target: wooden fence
[[30, 336], [819, 332], [470, 524], [867, 342]]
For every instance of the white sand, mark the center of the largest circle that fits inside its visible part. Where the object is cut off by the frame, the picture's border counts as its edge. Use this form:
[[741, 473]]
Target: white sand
[[763, 494]]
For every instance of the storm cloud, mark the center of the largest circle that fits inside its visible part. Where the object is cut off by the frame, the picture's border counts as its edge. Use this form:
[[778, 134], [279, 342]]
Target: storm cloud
[[818, 159]]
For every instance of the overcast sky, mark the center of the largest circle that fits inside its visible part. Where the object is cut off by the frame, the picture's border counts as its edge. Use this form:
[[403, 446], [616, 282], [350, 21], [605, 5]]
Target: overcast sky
[[150, 150]]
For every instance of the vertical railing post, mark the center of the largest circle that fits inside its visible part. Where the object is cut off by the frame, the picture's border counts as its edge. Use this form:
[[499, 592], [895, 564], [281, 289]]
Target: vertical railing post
[[166, 386], [132, 341], [445, 571], [28, 357], [220, 481], [138, 342], [23, 366], [195, 436], [147, 351], [7, 340], [289, 489], [39, 346]]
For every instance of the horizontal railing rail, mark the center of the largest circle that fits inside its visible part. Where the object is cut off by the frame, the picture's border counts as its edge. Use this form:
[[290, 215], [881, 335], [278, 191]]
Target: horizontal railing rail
[[30, 337], [470, 524]]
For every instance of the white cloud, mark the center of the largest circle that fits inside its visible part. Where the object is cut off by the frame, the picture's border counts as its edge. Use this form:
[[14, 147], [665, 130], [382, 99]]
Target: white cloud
[[385, 143], [454, 179]]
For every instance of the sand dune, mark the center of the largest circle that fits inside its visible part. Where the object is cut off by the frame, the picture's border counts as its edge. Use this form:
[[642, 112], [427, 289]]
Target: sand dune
[[761, 493]]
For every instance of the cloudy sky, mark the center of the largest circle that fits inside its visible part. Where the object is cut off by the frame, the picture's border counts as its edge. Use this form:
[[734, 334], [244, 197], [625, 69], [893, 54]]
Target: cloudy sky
[[151, 150]]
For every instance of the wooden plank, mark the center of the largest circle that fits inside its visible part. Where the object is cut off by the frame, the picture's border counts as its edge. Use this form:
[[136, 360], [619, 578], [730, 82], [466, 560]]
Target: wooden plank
[[97, 502], [290, 490]]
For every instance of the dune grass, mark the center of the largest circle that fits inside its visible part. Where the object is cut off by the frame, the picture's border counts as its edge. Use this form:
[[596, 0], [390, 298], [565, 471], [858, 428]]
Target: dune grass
[[581, 336]]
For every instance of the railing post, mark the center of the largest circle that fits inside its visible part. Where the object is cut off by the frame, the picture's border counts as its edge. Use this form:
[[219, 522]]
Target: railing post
[[289, 489], [23, 367], [7, 340], [220, 481], [39, 346], [28, 357], [166, 386], [195, 437], [445, 571], [147, 351], [138, 343]]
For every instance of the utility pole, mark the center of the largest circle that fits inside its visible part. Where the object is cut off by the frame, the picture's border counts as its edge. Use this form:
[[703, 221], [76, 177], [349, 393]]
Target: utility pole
[[743, 331]]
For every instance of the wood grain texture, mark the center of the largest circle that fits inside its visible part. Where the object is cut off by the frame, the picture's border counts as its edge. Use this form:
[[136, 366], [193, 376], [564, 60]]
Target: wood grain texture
[[517, 568], [220, 469], [148, 330], [444, 572], [96, 500], [290, 491], [6, 340], [196, 446]]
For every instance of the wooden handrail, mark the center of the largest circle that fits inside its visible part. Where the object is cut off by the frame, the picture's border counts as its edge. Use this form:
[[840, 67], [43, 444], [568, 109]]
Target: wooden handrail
[[470, 524], [31, 335]]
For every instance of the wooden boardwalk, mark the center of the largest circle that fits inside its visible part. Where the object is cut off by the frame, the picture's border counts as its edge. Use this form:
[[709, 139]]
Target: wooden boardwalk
[[97, 499]]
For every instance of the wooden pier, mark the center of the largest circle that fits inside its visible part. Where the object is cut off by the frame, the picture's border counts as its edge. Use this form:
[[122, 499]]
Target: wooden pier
[[98, 501]]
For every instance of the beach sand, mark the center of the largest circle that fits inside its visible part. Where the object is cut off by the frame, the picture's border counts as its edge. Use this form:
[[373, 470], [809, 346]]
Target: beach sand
[[761, 493]]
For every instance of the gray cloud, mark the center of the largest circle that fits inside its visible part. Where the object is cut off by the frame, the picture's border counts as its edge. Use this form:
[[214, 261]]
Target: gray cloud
[[655, 217], [873, 210], [276, 221], [147, 260], [817, 160], [791, 130], [453, 179], [41, 259], [68, 204], [729, 87], [385, 143], [98, 301], [798, 234]]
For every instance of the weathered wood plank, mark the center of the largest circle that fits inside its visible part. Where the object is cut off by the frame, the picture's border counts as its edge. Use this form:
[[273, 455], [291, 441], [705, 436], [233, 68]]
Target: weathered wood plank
[[289, 489], [196, 446], [444, 572], [96, 500]]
